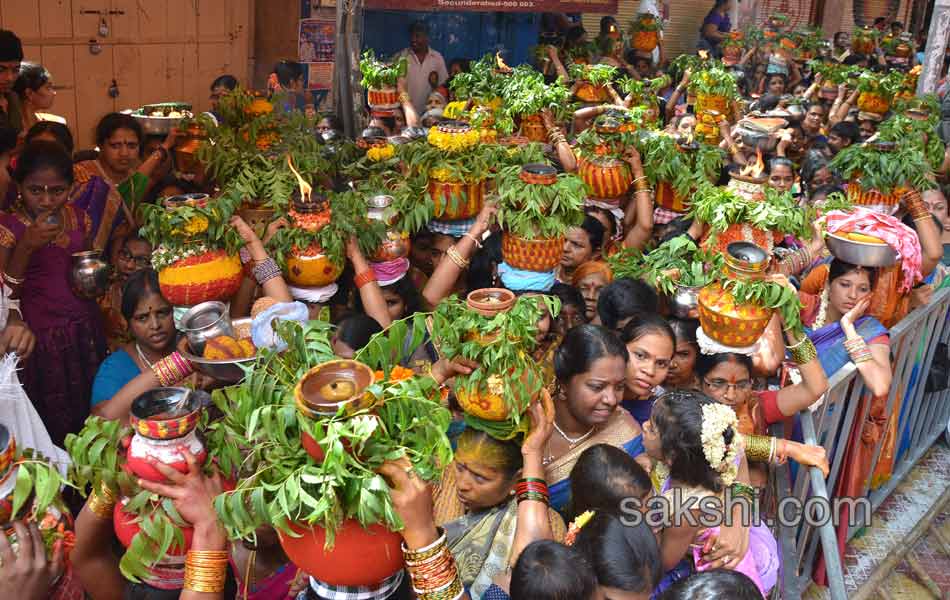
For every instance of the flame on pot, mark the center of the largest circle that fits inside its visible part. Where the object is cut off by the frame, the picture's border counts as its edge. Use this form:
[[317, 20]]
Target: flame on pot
[[504, 68], [703, 54], [689, 138], [755, 169], [305, 188]]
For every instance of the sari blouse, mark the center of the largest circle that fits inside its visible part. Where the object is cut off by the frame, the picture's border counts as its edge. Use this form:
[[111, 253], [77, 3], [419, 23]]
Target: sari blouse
[[620, 431], [107, 204], [45, 297]]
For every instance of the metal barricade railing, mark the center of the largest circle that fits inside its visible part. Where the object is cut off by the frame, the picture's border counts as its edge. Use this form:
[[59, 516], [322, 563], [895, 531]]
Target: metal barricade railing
[[922, 418]]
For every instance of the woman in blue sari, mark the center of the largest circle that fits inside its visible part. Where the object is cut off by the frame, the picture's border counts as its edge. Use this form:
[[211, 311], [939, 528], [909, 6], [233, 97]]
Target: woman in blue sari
[[842, 333], [591, 368]]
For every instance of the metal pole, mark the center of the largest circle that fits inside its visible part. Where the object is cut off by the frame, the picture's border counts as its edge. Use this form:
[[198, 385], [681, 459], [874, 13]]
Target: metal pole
[[936, 45]]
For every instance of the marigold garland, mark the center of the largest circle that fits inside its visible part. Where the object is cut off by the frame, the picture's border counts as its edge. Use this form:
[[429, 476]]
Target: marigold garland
[[454, 142]]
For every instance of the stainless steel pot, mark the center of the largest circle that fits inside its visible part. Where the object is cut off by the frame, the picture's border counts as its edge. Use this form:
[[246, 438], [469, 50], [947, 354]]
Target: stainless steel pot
[[89, 274], [204, 322], [685, 300]]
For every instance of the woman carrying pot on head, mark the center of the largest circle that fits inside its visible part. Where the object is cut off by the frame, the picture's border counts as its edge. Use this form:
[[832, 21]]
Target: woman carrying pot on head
[[150, 359], [491, 503], [37, 239], [111, 187]]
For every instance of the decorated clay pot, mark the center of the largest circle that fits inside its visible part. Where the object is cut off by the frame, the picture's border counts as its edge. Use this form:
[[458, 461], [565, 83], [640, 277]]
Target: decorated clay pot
[[7, 474], [728, 323], [828, 91], [645, 41], [541, 255], [330, 386], [211, 275], [707, 133], [164, 422], [750, 187], [740, 232], [732, 54], [487, 402], [489, 302], [533, 128], [666, 197], [311, 268], [456, 200], [255, 216], [126, 527], [311, 213], [873, 102], [587, 92], [707, 102], [394, 246], [605, 177], [383, 98], [873, 199], [186, 151], [360, 557]]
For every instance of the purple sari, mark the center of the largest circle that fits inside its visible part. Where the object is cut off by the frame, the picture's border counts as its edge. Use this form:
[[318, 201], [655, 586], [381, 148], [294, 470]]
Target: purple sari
[[69, 341]]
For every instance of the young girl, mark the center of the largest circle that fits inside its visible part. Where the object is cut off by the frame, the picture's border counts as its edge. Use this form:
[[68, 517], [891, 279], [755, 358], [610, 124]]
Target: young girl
[[697, 450]]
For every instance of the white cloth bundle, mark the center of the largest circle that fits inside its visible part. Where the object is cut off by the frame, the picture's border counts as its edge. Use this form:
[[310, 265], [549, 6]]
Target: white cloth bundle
[[21, 418]]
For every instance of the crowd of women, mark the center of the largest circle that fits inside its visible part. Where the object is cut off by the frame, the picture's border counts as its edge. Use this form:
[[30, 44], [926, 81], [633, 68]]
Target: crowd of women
[[635, 407]]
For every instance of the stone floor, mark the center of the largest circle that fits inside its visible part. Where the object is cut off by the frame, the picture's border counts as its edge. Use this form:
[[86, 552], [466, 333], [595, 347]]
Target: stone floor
[[892, 522]]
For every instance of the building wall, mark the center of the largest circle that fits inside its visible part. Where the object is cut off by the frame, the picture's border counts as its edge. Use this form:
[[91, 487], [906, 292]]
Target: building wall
[[147, 52]]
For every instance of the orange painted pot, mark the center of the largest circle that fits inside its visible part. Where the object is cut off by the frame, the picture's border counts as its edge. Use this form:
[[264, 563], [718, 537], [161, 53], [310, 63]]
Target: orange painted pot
[[394, 246], [707, 102], [666, 197], [861, 197], [873, 102], [541, 255], [645, 41], [383, 98], [487, 402], [311, 268], [456, 200], [360, 557], [257, 218], [742, 232], [533, 129], [731, 54], [730, 324], [213, 275], [592, 93], [126, 526], [605, 177]]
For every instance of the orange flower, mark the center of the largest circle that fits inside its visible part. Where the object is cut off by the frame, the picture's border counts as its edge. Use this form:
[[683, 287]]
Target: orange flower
[[397, 374]]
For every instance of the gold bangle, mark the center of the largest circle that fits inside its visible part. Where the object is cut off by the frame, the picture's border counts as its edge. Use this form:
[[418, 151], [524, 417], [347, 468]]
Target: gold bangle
[[457, 258], [757, 448], [804, 352], [101, 503]]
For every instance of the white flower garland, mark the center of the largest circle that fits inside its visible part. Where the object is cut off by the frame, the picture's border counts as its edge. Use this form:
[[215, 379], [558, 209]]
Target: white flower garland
[[822, 309], [163, 256], [716, 419]]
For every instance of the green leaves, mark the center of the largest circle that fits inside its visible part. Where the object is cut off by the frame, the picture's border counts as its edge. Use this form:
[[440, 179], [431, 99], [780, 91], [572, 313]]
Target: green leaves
[[720, 208], [693, 266], [377, 74], [882, 170], [714, 80], [535, 211], [664, 161], [526, 93], [769, 295], [596, 75]]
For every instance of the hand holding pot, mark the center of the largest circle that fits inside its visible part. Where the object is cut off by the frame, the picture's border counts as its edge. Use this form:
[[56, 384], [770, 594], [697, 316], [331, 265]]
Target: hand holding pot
[[541, 412], [412, 500], [192, 493], [445, 369]]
